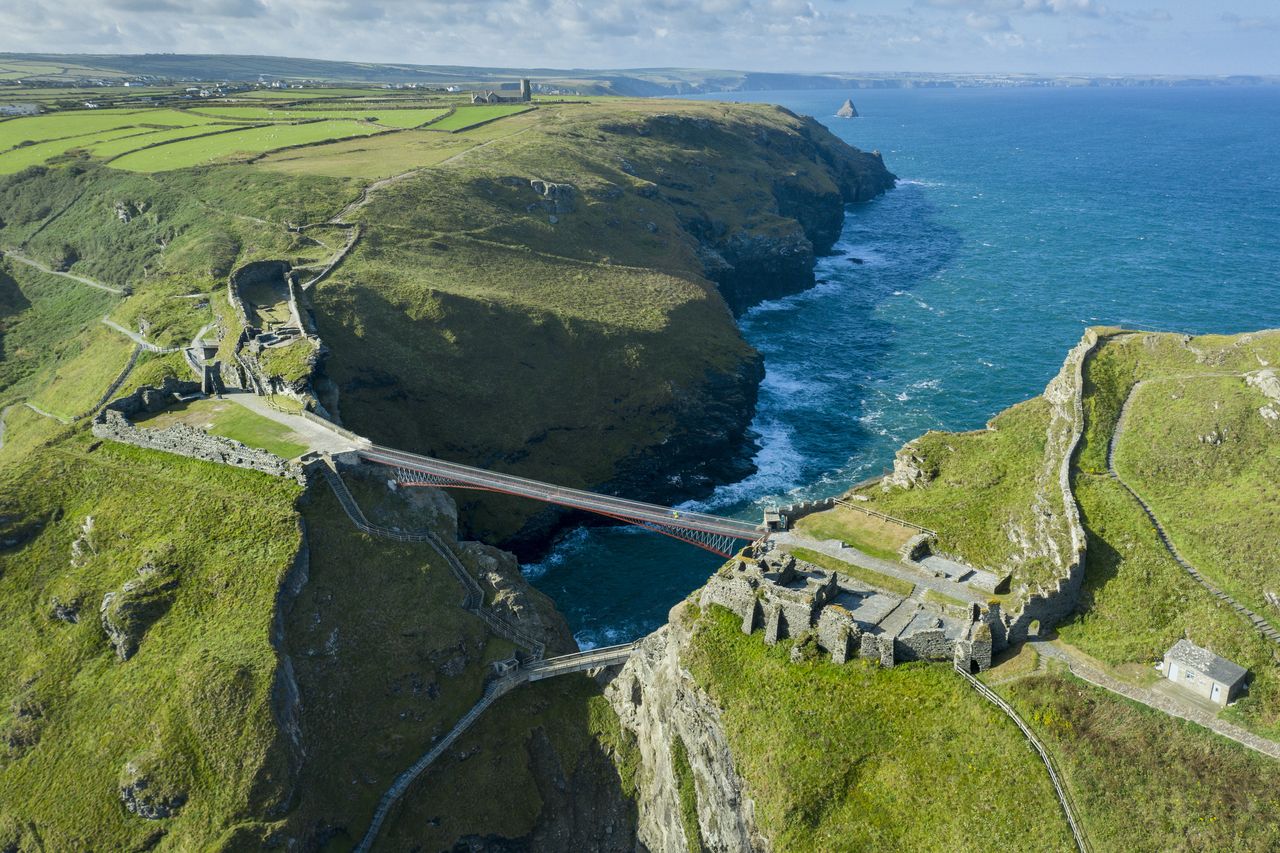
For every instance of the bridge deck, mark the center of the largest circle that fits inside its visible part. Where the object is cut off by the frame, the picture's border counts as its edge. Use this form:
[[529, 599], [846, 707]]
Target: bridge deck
[[621, 508]]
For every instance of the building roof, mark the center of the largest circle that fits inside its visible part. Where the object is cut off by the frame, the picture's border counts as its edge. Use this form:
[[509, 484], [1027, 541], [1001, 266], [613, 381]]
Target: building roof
[[1201, 660]]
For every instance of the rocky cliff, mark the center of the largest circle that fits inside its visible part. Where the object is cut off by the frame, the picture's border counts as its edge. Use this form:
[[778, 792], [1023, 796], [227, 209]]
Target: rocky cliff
[[673, 722]]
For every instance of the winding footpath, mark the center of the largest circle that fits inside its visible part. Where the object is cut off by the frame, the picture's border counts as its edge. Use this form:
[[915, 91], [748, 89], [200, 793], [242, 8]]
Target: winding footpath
[[22, 259], [1259, 623], [137, 338]]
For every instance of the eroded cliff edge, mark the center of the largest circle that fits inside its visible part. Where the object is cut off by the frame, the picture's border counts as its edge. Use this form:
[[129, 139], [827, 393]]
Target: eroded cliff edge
[[582, 280]]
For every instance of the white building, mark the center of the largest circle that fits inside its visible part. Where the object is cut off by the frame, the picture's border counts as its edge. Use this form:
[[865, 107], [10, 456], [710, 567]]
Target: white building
[[1203, 673]]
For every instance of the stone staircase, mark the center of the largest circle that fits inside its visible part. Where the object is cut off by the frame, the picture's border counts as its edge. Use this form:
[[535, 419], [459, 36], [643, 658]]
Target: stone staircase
[[1261, 624], [474, 595]]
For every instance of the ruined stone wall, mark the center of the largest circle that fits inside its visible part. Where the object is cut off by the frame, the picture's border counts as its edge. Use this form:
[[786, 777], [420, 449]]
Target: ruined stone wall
[[112, 423], [1049, 606]]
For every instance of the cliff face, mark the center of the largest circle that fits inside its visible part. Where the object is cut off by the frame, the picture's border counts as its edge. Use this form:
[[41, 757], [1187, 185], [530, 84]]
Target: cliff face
[[576, 280], [674, 721]]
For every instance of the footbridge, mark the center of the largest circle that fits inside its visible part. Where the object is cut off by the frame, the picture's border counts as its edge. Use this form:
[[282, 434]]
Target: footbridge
[[711, 532], [578, 661]]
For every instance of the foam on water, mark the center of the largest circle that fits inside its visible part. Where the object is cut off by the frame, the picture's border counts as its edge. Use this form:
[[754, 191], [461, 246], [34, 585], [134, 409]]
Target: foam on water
[[979, 273]]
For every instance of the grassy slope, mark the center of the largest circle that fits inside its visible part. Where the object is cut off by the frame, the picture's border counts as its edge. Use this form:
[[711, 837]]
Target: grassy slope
[[866, 532], [1220, 502], [1137, 600], [192, 704], [1143, 781], [983, 487], [495, 781], [454, 266], [855, 757]]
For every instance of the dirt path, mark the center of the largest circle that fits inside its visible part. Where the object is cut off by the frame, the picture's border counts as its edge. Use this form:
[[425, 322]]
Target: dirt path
[[1152, 699], [137, 338], [36, 264]]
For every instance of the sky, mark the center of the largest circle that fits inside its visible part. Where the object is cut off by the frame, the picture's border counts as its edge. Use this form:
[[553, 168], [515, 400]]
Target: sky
[[1070, 36]]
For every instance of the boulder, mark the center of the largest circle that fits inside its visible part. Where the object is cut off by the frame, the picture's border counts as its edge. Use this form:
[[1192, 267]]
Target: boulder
[[847, 110]]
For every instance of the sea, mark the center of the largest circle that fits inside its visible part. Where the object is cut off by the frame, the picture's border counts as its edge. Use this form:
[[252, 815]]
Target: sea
[[1021, 217]]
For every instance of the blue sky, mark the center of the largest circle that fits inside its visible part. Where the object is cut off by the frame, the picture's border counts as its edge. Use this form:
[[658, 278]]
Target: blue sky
[[1101, 36]]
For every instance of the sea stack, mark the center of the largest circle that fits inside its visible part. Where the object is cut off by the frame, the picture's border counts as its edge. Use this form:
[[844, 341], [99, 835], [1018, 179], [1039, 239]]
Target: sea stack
[[848, 110]]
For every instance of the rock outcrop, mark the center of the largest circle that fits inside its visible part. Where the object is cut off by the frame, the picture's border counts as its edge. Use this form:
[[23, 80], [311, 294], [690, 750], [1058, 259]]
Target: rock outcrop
[[658, 702], [129, 612], [847, 109]]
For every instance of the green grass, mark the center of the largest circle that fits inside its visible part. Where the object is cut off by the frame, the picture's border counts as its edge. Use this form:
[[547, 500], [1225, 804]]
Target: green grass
[[983, 487], [230, 420], [194, 703], [867, 576], [216, 147], [118, 147], [502, 788], [389, 154], [855, 757], [46, 321], [80, 380], [466, 116], [1143, 781], [17, 159], [83, 122], [385, 116], [687, 792], [1219, 502], [867, 533], [291, 363]]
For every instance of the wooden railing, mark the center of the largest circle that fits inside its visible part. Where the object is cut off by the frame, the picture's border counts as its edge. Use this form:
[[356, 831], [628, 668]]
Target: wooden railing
[[880, 515], [1059, 788]]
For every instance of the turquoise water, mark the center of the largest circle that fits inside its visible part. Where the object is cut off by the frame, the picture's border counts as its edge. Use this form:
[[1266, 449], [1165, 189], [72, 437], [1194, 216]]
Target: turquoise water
[[1022, 216]]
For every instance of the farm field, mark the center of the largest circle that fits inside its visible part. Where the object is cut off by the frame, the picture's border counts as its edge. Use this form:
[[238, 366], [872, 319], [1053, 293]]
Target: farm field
[[388, 116], [465, 117], [123, 145], [81, 122], [207, 149], [390, 154]]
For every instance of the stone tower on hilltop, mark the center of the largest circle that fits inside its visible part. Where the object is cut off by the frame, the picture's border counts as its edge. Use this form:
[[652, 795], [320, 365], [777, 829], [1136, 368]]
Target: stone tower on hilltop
[[526, 91]]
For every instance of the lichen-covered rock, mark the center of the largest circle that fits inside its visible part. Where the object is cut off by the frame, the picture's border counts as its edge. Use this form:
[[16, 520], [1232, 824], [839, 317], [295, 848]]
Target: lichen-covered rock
[[128, 613], [910, 469], [556, 198], [65, 611], [143, 797]]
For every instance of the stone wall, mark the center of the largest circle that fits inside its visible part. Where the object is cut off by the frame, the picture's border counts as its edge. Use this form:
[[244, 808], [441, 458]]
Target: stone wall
[[1048, 606], [788, 599], [113, 423]]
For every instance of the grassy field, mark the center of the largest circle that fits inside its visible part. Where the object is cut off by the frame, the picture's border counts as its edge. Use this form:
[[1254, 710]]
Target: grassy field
[[467, 116], [856, 757], [1219, 501], [391, 154], [192, 707], [208, 149], [397, 117], [867, 576], [230, 420], [62, 125], [867, 533], [1137, 600], [1143, 781], [982, 489]]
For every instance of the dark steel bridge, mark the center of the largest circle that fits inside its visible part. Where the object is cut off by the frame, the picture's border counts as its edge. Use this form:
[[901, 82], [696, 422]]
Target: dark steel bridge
[[711, 532]]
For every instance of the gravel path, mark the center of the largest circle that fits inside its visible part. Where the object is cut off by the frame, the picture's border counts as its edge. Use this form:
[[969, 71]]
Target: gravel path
[[1153, 699], [36, 264]]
